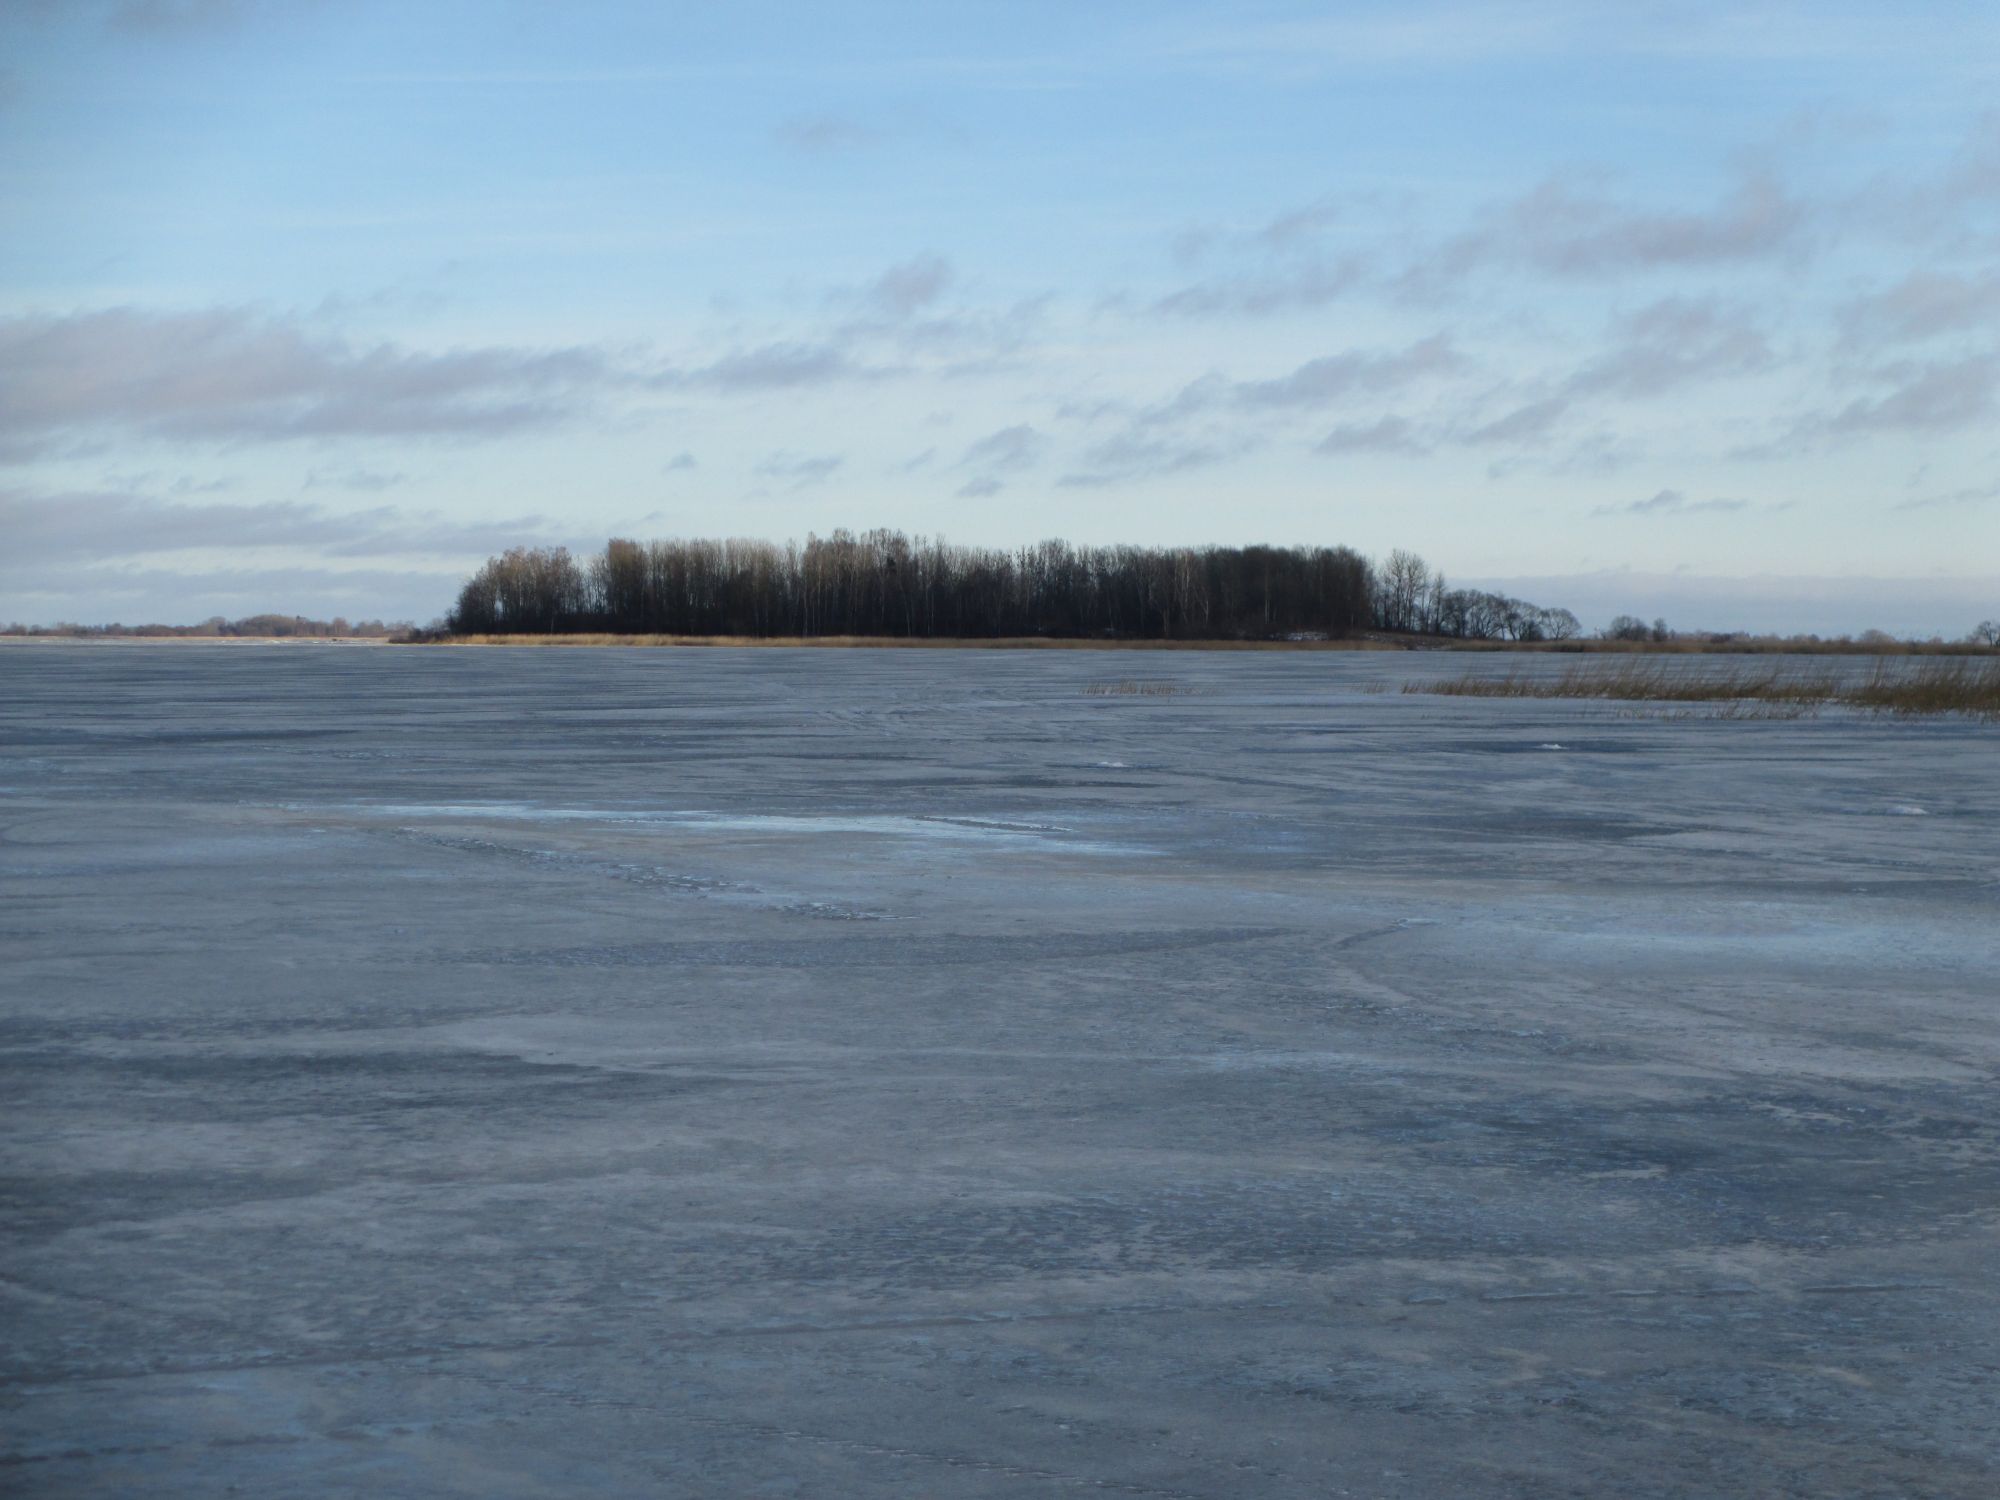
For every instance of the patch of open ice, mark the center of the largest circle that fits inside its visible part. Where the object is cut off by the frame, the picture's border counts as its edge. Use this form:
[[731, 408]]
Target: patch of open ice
[[927, 826]]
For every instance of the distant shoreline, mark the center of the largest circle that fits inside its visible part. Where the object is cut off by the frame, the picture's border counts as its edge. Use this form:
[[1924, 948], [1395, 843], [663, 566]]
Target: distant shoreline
[[1759, 646], [1746, 646], [196, 640]]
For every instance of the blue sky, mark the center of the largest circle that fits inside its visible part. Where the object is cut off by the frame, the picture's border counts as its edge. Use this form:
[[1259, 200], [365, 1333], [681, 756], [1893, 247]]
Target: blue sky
[[1681, 309]]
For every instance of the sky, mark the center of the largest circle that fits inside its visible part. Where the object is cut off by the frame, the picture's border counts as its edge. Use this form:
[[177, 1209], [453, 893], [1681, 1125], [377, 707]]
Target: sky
[[1672, 309]]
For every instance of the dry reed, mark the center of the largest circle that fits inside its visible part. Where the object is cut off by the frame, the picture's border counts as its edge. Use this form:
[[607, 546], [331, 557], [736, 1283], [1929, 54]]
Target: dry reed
[[1957, 686], [1130, 687]]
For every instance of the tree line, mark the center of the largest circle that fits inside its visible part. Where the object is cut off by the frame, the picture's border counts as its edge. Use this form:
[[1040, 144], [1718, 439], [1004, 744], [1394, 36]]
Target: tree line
[[883, 583], [258, 627]]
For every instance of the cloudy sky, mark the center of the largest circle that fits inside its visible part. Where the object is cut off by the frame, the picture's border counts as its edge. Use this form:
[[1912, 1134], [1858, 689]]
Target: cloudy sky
[[1689, 309]]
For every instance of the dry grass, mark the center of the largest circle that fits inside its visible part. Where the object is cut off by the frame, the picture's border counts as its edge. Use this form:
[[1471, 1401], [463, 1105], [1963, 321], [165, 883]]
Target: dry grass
[[1956, 686], [1131, 687], [1936, 687], [1727, 645], [1642, 682]]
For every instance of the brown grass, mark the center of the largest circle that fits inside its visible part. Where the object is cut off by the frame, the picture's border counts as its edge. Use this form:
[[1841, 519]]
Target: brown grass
[[1936, 687], [1131, 687], [1642, 681], [1957, 686], [1727, 645]]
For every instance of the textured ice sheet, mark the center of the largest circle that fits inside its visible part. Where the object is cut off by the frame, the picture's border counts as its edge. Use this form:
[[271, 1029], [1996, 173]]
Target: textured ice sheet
[[721, 1073]]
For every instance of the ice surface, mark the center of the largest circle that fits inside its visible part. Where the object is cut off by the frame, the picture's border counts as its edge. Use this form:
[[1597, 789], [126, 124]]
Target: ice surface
[[817, 1073]]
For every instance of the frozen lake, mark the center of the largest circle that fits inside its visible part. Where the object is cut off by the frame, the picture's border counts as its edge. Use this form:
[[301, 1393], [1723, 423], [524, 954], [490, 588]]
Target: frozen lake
[[810, 1073]]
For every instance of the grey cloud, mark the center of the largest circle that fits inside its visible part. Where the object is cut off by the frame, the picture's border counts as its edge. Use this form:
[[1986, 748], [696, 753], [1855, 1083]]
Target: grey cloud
[[1921, 306], [1561, 228], [352, 479], [979, 489], [1321, 381], [1132, 457], [1565, 226], [1927, 397], [1953, 499], [906, 289], [1532, 423], [102, 526], [1597, 453], [826, 134], [1675, 342], [1937, 208], [1389, 435], [905, 309], [1316, 383], [1187, 246], [1090, 411], [1263, 291], [1565, 232], [1299, 224], [1168, 437], [154, 483], [680, 463], [778, 366], [1937, 396], [1291, 231], [234, 374], [898, 311], [1010, 448], [1672, 503], [1976, 171], [976, 342], [801, 470]]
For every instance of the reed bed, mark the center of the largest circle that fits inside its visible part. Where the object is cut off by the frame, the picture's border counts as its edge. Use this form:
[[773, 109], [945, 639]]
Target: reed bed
[[1131, 687], [1937, 687], [1959, 687]]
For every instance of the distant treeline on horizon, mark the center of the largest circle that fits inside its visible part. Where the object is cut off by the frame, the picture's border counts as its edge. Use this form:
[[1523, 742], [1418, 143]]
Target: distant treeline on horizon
[[256, 627], [883, 583]]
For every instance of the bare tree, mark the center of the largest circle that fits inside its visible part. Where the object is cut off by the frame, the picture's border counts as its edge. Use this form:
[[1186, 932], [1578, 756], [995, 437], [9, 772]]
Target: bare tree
[[1627, 628], [1405, 578], [885, 583]]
